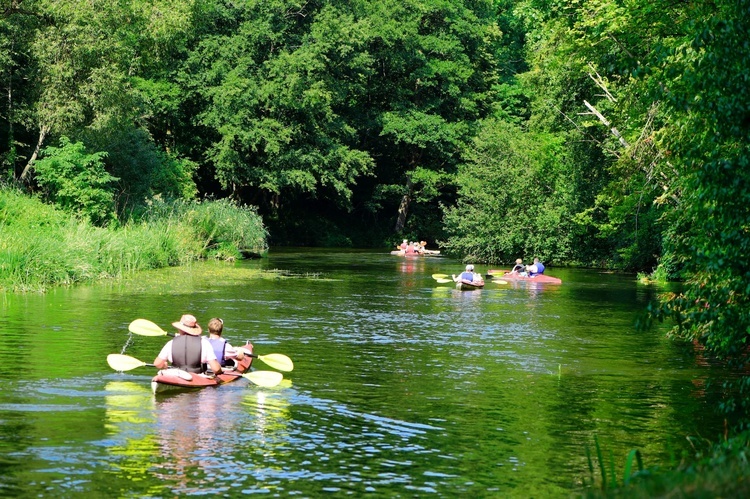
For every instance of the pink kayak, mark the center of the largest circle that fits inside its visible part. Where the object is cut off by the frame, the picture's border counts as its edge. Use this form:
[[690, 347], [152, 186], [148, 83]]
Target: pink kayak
[[507, 276]]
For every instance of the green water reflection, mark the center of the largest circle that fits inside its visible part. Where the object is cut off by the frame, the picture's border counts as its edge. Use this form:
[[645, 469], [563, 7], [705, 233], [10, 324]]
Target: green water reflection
[[401, 387]]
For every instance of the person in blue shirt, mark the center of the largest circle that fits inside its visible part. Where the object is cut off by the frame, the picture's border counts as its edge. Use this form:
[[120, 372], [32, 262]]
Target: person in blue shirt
[[468, 275], [535, 268], [223, 350]]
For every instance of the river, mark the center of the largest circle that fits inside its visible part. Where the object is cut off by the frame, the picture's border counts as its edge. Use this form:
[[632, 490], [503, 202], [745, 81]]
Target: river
[[402, 387]]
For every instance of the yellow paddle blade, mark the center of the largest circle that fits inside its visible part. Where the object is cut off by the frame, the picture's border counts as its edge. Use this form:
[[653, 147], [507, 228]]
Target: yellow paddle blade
[[265, 379], [440, 276], [145, 327], [278, 361], [120, 362], [443, 281]]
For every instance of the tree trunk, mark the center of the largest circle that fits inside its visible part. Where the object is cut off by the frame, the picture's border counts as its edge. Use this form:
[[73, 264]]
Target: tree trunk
[[42, 135], [403, 208]]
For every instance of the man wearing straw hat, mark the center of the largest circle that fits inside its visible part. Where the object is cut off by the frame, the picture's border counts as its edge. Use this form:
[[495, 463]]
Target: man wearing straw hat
[[188, 351]]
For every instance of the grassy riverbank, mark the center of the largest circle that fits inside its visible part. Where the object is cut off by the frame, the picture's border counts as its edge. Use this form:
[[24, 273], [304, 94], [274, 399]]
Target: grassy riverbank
[[716, 470], [42, 246]]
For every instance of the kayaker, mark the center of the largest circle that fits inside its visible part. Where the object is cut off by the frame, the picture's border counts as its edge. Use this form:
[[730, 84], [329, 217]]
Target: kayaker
[[535, 268], [518, 267], [188, 351], [468, 275], [221, 346]]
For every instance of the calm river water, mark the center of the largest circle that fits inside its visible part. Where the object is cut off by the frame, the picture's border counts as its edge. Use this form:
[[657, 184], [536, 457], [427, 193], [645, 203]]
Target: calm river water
[[402, 387]]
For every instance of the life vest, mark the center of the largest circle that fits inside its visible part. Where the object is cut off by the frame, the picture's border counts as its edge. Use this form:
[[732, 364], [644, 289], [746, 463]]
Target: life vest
[[220, 346], [539, 269], [467, 276], [186, 353]]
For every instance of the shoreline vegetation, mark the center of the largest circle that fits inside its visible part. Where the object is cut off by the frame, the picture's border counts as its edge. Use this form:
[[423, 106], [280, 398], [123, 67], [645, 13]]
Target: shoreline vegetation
[[43, 246]]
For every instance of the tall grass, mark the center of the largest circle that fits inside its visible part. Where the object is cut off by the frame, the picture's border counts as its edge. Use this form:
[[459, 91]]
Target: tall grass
[[716, 470], [41, 246]]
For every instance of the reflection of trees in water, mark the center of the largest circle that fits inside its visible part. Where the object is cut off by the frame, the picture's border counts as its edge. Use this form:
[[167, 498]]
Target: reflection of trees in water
[[195, 442], [129, 419], [206, 439]]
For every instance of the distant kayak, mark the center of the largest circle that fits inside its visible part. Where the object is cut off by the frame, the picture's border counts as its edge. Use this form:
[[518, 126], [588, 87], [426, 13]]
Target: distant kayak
[[425, 253], [466, 285], [505, 275]]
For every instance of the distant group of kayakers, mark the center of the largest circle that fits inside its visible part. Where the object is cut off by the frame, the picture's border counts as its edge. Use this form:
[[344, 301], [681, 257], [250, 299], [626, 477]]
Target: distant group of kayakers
[[535, 268], [414, 248]]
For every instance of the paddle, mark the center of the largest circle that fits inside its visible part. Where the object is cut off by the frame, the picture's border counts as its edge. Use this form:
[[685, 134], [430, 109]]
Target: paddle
[[440, 276], [144, 327], [121, 363], [265, 379], [443, 281]]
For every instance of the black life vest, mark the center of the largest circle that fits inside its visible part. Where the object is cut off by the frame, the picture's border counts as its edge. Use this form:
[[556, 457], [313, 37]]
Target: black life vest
[[186, 353]]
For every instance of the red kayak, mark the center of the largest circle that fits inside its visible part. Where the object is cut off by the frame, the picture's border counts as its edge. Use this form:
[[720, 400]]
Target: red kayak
[[507, 276], [177, 379]]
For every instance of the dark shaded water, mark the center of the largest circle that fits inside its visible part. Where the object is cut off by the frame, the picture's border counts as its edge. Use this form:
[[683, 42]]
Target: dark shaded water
[[402, 387]]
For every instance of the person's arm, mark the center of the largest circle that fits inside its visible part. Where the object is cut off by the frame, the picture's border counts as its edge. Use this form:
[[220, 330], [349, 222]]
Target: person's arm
[[162, 360], [208, 356], [233, 353], [160, 363], [215, 366]]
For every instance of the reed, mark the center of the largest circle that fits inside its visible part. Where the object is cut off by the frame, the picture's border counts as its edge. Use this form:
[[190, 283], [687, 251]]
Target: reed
[[41, 246], [609, 481]]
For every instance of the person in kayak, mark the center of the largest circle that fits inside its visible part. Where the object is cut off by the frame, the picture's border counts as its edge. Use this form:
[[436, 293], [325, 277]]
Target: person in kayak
[[188, 351], [468, 275], [223, 350], [535, 268], [518, 267]]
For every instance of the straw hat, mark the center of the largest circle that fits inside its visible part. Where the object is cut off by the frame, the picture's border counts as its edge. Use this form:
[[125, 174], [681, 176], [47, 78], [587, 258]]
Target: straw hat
[[188, 324]]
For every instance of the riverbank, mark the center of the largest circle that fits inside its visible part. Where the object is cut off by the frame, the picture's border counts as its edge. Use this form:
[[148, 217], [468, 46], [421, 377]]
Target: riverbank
[[42, 246], [714, 470]]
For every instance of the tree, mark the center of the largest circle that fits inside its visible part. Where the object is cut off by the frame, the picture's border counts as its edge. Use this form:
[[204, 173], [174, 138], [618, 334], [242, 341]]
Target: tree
[[705, 82], [77, 181]]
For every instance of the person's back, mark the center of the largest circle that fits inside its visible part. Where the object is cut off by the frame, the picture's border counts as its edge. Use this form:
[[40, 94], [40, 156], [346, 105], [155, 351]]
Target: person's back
[[186, 353], [467, 275], [518, 267], [222, 348], [536, 268]]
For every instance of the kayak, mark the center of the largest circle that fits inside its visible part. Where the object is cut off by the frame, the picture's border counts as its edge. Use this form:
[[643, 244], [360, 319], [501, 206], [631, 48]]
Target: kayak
[[169, 380], [465, 285], [504, 275], [424, 253]]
